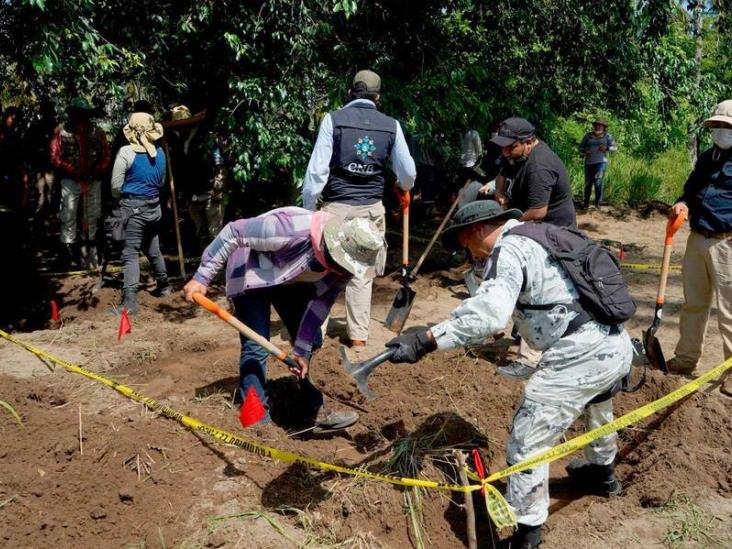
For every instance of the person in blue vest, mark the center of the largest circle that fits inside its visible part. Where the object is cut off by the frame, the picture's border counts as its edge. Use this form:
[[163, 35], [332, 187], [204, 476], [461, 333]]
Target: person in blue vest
[[347, 171], [137, 177]]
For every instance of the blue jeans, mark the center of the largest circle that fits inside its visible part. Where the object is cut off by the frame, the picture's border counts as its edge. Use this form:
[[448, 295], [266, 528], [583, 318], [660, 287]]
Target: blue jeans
[[253, 309], [594, 176]]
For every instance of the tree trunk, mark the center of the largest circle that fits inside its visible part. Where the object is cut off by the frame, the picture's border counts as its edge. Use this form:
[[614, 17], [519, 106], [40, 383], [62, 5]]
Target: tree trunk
[[697, 22]]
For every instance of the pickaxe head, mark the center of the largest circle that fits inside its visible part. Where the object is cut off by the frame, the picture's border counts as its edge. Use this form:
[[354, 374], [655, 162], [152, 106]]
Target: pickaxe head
[[360, 371]]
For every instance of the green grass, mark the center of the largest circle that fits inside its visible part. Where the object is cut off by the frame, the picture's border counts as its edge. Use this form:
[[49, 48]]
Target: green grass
[[12, 412], [692, 525]]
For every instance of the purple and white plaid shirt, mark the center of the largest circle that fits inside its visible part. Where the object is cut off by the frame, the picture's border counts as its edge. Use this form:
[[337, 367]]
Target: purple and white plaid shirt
[[271, 249]]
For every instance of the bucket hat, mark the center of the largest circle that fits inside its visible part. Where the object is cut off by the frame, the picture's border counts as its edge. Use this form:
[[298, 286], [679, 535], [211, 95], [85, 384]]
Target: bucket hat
[[142, 131], [475, 212], [181, 112], [354, 244], [723, 113], [80, 104]]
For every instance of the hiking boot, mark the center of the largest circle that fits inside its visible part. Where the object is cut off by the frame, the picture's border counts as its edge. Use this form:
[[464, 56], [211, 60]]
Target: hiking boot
[[129, 300], [326, 422], [677, 366], [599, 479], [525, 537], [357, 345], [516, 370]]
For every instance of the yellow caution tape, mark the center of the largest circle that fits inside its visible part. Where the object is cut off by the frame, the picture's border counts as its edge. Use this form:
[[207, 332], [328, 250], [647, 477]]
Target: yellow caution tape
[[644, 267], [498, 509]]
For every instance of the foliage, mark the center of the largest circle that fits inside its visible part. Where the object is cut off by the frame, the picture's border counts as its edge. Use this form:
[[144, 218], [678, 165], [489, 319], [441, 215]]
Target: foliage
[[268, 71]]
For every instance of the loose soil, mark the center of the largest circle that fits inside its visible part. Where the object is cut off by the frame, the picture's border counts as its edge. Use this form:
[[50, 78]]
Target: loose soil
[[140, 480]]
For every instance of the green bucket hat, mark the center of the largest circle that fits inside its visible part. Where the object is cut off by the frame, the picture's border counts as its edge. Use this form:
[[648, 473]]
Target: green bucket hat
[[472, 213], [355, 245], [80, 104]]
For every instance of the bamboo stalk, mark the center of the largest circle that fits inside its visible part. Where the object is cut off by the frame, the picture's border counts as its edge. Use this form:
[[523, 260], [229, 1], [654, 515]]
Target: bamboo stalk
[[469, 509]]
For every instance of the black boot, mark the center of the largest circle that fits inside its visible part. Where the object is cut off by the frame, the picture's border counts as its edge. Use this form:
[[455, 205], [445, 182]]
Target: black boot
[[162, 288], [598, 479], [525, 537], [129, 300]]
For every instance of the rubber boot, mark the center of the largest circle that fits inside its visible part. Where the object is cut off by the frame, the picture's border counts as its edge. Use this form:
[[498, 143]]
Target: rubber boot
[[599, 479], [525, 537], [129, 300]]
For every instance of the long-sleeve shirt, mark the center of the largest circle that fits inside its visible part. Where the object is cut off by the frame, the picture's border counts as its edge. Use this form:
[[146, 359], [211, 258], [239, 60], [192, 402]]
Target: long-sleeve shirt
[[275, 248], [137, 173], [318, 169], [80, 153], [708, 191], [591, 144]]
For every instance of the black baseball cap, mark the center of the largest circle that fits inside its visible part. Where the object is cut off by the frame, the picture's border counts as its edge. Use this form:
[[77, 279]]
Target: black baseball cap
[[513, 129]]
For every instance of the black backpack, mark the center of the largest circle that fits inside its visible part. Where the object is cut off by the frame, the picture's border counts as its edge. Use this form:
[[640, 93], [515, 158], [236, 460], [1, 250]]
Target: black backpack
[[593, 268]]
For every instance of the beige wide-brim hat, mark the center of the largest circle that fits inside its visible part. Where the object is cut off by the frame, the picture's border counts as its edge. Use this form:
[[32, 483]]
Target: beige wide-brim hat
[[355, 245], [142, 131], [723, 114]]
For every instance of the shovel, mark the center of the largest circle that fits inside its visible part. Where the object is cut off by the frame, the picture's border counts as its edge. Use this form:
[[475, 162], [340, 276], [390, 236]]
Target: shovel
[[650, 341], [360, 371], [405, 295], [246, 331], [404, 298]]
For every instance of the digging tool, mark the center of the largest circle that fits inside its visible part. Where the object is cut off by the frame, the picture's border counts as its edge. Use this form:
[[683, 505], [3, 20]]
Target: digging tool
[[405, 295], [246, 331], [360, 371], [404, 298], [650, 343]]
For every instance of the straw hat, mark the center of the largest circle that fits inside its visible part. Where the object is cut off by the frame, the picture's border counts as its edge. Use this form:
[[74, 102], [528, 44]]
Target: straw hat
[[142, 131]]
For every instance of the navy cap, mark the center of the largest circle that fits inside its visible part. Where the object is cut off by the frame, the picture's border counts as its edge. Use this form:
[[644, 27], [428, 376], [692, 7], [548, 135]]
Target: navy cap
[[513, 129]]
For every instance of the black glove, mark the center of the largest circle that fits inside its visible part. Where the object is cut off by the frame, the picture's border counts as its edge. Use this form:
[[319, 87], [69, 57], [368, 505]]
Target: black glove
[[411, 347]]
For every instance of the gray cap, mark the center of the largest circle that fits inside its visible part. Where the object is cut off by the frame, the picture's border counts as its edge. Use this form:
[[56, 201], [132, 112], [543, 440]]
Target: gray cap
[[370, 79]]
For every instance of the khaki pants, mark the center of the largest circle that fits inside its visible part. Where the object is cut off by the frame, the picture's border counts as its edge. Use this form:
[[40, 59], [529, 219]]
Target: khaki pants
[[707, 268], [208, 218], [358, 291]]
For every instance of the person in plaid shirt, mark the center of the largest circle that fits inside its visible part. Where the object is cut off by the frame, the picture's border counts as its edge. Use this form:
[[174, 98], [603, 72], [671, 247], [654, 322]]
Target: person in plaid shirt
[[298, 262]]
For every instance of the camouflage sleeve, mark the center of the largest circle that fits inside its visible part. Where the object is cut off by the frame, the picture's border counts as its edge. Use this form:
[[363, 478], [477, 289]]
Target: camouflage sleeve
[[490, 310]]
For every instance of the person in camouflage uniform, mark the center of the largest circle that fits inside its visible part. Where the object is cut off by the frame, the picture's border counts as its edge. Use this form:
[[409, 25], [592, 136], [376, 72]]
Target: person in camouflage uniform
[[581, 365]]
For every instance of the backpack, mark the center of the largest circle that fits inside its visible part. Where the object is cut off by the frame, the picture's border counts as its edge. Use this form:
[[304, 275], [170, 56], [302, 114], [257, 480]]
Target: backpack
[[594, 270]]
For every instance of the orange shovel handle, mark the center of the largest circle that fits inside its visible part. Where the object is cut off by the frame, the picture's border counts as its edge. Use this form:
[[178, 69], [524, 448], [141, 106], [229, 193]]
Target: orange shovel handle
[[673, 225]]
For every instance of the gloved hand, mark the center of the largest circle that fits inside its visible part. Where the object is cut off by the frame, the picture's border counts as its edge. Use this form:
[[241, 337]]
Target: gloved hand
[[411, 347]]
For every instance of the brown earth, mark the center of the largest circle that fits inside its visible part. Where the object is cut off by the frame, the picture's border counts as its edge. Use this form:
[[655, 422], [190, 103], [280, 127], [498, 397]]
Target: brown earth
[[142, 480]]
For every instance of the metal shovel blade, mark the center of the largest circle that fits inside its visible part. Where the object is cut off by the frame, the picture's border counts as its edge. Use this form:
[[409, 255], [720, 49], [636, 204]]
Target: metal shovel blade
[[400, 309], [653, 350], [360, 371]]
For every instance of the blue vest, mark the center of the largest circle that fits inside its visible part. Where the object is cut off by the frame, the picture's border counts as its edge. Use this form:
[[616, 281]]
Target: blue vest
[[146, 175], [363, 139]]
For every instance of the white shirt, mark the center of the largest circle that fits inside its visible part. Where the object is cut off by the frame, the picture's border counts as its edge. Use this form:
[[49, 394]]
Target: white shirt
[[318, 170]]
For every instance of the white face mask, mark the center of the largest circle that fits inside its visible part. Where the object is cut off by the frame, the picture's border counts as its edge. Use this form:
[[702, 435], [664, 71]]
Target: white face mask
[[722, 137]]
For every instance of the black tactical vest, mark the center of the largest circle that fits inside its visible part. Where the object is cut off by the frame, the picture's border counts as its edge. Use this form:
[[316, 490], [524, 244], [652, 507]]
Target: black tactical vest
[[363, 139]]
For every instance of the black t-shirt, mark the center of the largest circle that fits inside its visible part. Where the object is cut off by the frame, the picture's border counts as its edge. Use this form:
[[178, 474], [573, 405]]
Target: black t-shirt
[[542, 180]]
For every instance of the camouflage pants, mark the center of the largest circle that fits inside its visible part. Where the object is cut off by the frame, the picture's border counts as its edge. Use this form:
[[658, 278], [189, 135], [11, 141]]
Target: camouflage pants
[[555, 396]]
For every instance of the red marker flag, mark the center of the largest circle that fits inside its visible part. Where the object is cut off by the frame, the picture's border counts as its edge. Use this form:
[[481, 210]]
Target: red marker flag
[[622, 253], [54, 310], [479, 467], [251, 409], [125, 326]]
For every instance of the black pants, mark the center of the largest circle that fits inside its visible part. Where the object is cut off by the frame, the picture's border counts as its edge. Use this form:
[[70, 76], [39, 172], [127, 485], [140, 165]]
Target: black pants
[[142, 232]]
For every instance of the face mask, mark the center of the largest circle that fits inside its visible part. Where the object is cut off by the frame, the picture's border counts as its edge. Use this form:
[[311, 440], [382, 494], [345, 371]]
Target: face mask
[[722, 137]]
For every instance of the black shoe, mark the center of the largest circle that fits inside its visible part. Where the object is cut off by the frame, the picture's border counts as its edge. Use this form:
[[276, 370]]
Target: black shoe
[[162, 289], [129, 301], [599, 479], [525, 537]]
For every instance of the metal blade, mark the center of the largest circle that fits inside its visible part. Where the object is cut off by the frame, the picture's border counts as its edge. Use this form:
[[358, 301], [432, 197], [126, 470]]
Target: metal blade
[[654, 351], [400, 309]]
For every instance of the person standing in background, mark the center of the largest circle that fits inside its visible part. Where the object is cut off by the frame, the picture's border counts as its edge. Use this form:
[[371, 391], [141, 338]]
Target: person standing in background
[[80, 152], [595, 146]]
